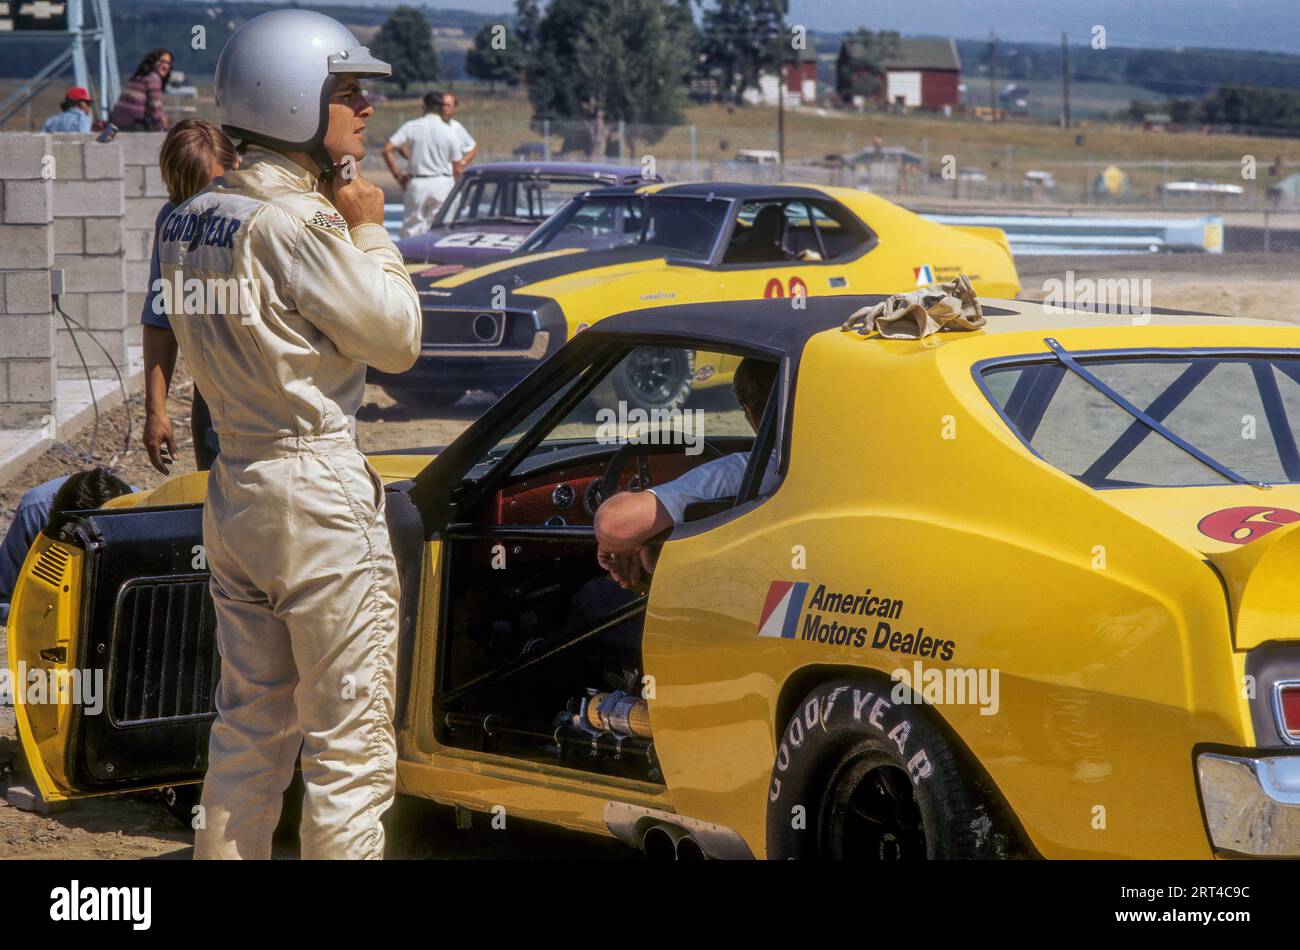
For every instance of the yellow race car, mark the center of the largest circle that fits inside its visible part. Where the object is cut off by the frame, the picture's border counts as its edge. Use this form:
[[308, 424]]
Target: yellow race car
[[624, 248], [1024, 590]]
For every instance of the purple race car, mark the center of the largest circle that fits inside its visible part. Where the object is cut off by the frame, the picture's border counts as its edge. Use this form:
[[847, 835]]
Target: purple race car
[[495, 206]]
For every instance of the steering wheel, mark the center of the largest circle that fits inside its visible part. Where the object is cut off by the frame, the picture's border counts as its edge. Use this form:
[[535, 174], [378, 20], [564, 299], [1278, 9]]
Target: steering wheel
[[641, 452]]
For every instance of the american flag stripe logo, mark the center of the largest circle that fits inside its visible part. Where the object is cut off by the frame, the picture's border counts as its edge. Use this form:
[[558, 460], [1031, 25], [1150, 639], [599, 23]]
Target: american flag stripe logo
[[781, 610]]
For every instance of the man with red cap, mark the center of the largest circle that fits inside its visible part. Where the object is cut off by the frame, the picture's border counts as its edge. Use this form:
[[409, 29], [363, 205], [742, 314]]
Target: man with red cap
[[76, 115]]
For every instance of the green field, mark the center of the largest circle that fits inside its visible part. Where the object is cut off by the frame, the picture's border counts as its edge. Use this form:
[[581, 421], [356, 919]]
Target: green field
[[501, 122]]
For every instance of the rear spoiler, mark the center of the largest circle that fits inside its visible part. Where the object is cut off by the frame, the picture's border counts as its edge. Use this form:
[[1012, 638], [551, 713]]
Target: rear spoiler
[[996, 235], [1263, 594]]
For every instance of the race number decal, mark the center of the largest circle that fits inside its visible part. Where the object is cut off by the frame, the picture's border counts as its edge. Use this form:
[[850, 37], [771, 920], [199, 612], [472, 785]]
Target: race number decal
[[1245, 524], [489, 240], [775, 288]]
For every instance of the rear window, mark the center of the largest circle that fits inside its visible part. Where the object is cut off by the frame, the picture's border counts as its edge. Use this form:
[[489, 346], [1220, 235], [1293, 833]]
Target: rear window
[[1240, 410]]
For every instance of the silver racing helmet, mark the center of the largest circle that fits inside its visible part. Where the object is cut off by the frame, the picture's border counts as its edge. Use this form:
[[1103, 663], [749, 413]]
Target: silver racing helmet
[[275, 77]]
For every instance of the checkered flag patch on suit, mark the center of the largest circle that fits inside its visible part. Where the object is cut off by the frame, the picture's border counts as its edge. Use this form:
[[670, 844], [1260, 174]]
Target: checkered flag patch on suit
[[329, 219]]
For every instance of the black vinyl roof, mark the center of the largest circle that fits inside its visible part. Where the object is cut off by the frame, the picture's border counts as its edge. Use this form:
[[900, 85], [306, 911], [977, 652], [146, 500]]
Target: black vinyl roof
[[745, 191], [772, 324]]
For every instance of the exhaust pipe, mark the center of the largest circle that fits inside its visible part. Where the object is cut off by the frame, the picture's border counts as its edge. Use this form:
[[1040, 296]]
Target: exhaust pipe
[[669, 836], [663, 842]]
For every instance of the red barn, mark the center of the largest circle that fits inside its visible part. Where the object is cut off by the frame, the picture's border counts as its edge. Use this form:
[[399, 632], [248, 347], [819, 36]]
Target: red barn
[[923, 74]]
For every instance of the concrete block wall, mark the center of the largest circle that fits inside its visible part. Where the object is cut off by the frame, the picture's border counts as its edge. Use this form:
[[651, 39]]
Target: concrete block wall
[[27, 343], [145, 196], [89, 218]]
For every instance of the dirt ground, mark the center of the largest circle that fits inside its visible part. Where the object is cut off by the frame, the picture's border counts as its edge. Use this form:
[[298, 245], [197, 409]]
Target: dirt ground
[[138, 826]]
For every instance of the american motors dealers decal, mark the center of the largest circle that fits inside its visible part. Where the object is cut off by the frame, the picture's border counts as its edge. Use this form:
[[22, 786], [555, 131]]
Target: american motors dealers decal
[[790, 614]]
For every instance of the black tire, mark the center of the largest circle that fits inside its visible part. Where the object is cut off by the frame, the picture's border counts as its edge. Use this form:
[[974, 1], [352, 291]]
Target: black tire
[[649, 378], [423, 399], [180, 800], [862, 797]]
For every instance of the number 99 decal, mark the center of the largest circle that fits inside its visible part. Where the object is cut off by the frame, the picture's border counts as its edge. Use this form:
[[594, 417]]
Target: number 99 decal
[[775, 288]]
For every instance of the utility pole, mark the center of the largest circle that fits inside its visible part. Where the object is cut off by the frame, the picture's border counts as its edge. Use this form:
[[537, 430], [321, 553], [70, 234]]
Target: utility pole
[[1065, 80], [780, 93], [993, 77]]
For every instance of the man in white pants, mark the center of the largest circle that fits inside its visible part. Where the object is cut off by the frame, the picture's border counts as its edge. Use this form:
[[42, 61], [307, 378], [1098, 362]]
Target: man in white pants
[[304, 582], [436, 148]]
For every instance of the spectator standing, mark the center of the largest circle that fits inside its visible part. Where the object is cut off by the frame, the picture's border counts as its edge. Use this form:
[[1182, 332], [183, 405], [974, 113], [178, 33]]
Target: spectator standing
[[77, 114], [139, 108], [194, 153], [437, 148]]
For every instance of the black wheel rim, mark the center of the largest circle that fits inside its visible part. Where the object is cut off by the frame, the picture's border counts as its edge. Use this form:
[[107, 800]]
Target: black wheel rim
[[652, 372], [870, 813]]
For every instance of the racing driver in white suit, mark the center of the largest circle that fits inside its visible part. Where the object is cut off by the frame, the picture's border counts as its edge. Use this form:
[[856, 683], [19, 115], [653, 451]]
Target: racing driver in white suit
[[303, 576]]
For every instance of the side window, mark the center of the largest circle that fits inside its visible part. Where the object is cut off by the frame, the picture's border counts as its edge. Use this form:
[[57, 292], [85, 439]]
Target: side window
[[688, 407], [801, 238], [841, 233], [760, 235]]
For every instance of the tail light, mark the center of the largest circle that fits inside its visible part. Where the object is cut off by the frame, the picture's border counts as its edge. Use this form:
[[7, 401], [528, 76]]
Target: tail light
[[1286, 705]]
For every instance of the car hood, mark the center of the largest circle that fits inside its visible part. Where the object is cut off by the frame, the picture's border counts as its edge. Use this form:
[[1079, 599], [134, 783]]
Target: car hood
[[560, 272], [468, 245]]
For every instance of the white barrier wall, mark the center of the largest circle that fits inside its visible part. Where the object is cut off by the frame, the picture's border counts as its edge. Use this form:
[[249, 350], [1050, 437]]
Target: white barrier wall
[[88, 214], [87, 208], [27, 365]]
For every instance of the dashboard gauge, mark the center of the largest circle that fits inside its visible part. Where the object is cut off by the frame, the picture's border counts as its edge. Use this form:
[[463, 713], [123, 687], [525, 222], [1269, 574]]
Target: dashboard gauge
[[591, 498]]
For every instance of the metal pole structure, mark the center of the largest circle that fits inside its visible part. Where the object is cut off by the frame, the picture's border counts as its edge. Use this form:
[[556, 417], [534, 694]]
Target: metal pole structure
[[993, 73], [1065, 78], [76, 34], [110, 86], [695, 170], [76, 24], [780, 94]]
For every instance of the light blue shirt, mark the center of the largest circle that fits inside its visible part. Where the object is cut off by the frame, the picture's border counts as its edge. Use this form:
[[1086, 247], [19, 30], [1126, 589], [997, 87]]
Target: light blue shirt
[[711, 481], [69, 120], [29, 520]]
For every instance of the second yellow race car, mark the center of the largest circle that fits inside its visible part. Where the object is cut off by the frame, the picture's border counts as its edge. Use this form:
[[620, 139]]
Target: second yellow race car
[[617, 249], [1028, 589]]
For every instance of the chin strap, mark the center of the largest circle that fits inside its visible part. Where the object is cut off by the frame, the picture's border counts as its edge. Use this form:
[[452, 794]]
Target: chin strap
[[326, 165]]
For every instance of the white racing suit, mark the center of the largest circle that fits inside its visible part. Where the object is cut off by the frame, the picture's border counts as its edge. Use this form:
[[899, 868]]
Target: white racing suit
[[303, 578]]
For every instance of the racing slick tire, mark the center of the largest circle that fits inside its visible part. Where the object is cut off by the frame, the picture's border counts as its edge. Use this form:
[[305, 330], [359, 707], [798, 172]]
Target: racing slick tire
[[876, 781], [651, 377]]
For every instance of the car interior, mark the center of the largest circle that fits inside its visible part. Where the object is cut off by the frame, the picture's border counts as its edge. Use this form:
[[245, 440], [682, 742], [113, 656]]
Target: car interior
[[535, 639], [775, 231]]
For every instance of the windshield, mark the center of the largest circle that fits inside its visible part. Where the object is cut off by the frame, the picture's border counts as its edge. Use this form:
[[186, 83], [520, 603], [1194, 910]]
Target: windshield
[[1240, 411], [527, 199], [648, 395], [685, 226]]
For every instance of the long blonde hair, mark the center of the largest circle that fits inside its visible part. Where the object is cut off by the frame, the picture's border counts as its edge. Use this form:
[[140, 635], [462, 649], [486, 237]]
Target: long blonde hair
[[187, 154]]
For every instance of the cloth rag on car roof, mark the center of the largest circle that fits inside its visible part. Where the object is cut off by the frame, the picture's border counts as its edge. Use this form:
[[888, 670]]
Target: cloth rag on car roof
[[912, 316]]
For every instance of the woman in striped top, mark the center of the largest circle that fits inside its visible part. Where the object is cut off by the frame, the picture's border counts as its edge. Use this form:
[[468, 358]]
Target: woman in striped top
[[139, 108]]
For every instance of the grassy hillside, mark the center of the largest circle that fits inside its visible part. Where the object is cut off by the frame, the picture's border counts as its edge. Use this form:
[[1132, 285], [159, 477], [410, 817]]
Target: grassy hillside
[[501, 122]]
